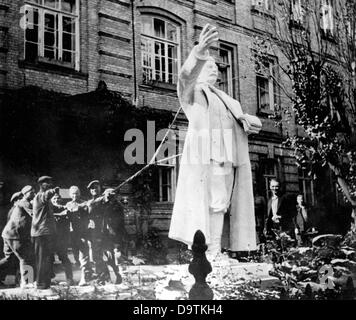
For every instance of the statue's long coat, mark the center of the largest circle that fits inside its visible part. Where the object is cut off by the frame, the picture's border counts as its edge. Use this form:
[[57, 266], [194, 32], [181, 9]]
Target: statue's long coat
[[191, 206]]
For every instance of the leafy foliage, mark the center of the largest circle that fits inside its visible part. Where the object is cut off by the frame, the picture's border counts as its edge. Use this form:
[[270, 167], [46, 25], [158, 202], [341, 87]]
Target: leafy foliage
[[321, 68], [151, 247], [299, 268]]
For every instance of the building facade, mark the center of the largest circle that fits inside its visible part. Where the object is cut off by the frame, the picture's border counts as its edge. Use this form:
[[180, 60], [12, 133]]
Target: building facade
[[137, 47]]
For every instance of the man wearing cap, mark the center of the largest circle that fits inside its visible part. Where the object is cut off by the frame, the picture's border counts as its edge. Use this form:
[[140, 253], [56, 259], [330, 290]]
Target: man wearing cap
[[4, 219], [97, 207], [15, 198], [17, 237], [43, 231], [113, 232], [96, 214]]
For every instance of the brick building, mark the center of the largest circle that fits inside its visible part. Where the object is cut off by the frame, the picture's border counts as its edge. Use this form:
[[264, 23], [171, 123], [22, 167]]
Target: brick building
[[136, 47]]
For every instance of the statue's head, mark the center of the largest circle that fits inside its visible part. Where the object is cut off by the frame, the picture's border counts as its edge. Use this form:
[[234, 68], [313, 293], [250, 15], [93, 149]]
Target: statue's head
[[209, 73]]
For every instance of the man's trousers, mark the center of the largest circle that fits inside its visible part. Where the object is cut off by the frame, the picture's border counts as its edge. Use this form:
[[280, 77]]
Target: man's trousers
[[44, 251], [14, 251]]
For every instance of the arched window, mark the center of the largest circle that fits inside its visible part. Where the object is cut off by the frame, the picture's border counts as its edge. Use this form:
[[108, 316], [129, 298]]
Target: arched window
[[160, 42]]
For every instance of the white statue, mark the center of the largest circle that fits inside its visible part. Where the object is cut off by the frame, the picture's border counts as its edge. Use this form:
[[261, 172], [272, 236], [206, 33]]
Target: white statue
[[215, 169]]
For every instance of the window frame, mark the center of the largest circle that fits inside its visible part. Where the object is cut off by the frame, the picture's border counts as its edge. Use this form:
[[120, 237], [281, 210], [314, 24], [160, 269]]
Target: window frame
[[266, 6], [59, 15], [166, 42], [272, 89], [267, 163], [172, 186], [303, 179], [229, 66]]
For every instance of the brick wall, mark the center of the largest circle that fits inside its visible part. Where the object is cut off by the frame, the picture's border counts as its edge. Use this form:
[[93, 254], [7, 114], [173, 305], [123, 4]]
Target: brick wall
[[106, 46]]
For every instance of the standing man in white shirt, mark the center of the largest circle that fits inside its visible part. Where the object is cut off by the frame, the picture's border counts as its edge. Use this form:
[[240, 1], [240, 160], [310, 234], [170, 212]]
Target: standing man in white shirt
[[279, 212]]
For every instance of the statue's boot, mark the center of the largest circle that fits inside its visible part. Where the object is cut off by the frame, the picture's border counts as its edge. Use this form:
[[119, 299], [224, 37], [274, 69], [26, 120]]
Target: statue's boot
[[213, 254], [216, 229]]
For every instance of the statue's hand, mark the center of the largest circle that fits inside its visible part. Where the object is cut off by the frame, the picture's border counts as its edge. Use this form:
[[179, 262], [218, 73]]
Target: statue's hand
[[245, 125], [207, 37]]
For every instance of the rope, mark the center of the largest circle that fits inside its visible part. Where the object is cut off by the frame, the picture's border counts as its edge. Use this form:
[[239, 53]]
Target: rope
[[152, 161], [143, 169]]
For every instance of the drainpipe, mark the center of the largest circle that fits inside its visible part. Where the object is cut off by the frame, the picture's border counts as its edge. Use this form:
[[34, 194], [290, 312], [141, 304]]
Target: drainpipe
[[134, 51]]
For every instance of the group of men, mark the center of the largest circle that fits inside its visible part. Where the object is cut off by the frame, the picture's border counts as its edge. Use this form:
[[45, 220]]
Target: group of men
[[286, 213], [40, 226]]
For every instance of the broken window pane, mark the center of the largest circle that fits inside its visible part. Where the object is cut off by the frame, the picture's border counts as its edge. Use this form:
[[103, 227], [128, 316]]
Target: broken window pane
[[159, 28]]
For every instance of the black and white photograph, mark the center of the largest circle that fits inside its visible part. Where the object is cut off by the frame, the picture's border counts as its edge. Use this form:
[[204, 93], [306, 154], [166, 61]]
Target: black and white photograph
[[178, 150]]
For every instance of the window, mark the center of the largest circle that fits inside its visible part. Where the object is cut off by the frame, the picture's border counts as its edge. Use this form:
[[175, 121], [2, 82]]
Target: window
[[327, 18], [163, 183], [266, 171], [306, 186], [263, 5], [52, 32], [297, 13], [160, 50], [225, 79], [265, 85]]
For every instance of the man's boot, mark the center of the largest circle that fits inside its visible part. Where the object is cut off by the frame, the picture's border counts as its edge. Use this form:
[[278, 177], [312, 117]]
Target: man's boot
[[69, 273]]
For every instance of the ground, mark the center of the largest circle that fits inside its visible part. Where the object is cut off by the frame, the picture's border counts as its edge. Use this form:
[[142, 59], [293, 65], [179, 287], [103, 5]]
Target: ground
[[169, 282]]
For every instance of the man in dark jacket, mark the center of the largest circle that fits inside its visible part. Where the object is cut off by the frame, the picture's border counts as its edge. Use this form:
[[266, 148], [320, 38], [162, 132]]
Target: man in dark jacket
[[100, 218], [301, 220], [114, 233], [61, 242], [17, 238], [15, 198], [280, 211], [43, 231], [96, 208]]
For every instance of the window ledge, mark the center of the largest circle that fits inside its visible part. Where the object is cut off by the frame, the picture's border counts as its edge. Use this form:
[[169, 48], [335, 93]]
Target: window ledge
[[212, 1], [50, 67], [260, 11], [264, 113], [170, 87], [162, 204]]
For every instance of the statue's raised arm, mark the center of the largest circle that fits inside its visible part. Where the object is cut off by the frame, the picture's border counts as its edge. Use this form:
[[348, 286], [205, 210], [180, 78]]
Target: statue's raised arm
[[194, 64]]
